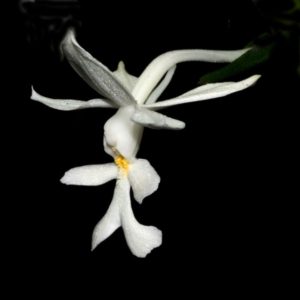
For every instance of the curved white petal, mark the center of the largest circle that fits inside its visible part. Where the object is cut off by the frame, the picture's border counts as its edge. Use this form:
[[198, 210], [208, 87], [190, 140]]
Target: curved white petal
[[99, 77], [143, 179], [155, 120], [161, 87], [128, 80], [159, 66], [90, 175], [140, 239], [122, 136], [206, 92], [112, 219], [66, 104]]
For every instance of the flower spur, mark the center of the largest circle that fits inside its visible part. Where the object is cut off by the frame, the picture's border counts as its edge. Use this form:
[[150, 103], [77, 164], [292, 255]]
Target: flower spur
[[135, 99]]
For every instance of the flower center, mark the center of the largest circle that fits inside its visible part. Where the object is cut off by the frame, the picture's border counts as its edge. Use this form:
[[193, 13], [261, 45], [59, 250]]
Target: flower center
[[123, 164]]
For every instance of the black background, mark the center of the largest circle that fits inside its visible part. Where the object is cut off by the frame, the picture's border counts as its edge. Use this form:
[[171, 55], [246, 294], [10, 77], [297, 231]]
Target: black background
[[218, 202]]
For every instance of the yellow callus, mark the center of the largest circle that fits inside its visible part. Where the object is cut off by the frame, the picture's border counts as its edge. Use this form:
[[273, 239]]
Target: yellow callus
[[123, 164]]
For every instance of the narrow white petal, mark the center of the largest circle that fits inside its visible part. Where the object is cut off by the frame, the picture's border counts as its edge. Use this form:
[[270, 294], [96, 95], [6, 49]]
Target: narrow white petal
[[99, 77], [161, 87], [159, 66], [143, 179], [90, 175], [66, 104], [128, 80], [112, 219], [140, 239], [155, 120], [209, 91]]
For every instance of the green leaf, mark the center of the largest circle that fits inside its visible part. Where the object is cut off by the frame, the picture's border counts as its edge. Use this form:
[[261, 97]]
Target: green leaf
[[258, 55], [283, 18]]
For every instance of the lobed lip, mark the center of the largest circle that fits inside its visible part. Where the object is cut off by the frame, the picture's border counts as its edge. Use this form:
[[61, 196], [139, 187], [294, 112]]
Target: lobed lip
[[138, 175]]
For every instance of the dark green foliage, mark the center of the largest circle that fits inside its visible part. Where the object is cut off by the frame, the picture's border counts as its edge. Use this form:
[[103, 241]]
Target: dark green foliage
[[280, 46]]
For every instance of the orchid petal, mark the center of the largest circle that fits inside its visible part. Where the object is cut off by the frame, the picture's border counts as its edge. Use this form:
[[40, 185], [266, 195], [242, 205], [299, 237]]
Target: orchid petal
[[99, 77], [209, 91], [125, 78], [90, 175], [140, 239], [143, 179], [66, 104], [159, 66], [155, 120], [162, 86], [111, 220]]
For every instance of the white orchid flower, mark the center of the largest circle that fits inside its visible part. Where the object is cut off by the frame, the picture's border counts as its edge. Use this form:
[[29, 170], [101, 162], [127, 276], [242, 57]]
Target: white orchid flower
[[135, 99]]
